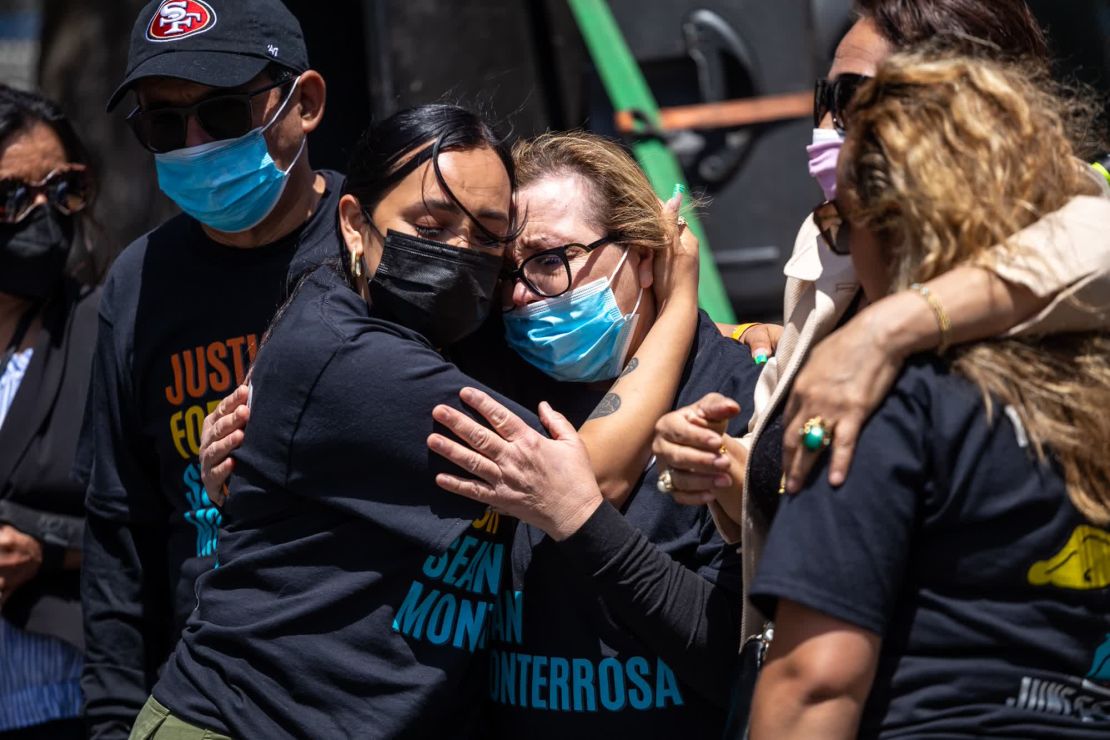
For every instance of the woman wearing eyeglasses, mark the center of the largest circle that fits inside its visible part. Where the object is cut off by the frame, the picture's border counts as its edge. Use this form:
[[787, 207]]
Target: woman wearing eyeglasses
[[47, 334], [802, 411]]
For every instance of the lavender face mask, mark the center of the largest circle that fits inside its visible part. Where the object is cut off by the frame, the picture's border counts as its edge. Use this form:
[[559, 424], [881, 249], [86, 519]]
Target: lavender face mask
[[823, 155]]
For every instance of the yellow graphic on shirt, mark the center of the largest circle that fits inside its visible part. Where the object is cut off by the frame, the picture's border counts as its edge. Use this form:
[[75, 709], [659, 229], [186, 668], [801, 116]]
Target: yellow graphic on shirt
[[1083, 564]]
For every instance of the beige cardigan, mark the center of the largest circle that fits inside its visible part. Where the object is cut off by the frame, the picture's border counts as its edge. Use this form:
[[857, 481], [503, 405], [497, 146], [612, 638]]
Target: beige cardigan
[[1068, 254]]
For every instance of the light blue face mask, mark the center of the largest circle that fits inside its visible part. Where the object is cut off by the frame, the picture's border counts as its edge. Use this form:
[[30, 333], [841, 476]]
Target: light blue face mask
[[229, 185], [578, 337]]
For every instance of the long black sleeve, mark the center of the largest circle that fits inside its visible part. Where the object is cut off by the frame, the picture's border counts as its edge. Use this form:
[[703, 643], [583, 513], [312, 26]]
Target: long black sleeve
[[689, 621], [125, 622], [124, 593], [54, 529]]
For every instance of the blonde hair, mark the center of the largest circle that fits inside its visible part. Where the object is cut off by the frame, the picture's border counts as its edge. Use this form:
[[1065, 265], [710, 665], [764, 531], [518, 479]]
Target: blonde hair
[[946, 159], [623, 201]]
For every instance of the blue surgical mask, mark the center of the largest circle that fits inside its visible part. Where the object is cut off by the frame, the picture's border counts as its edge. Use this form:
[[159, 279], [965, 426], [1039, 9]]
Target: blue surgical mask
[[578, 337], [230, 185]]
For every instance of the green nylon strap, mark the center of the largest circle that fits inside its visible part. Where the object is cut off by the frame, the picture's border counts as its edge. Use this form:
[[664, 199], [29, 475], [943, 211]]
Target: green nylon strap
[[628, 90]]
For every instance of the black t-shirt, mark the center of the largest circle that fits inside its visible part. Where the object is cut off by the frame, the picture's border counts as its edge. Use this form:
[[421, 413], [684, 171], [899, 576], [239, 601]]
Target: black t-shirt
[[563, 663], [990, 591], [353, 594], [180, 320]]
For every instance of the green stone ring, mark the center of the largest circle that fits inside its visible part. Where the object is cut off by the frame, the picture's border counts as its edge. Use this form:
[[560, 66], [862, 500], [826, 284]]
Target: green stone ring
[[815, 435]]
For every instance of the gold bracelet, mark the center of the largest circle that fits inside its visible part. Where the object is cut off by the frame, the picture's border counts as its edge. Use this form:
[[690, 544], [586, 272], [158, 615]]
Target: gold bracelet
[[943, 322], [738, 332]]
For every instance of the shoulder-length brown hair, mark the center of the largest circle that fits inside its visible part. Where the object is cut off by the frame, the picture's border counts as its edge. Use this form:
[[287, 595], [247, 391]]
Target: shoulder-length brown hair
[[945, 160], [623, 201]]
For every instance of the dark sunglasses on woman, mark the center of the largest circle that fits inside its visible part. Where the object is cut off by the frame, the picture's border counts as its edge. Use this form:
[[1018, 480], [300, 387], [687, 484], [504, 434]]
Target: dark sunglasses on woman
[[226, 116], [833, 97], [834, 228], [66, 188]]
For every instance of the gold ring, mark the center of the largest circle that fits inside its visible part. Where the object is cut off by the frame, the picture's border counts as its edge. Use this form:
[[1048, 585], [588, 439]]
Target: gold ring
[[724, 444], [816, 434], [665, 484]]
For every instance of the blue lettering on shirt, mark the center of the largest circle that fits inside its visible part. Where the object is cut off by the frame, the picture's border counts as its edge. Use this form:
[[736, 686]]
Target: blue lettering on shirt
[[581, 685], [202, 515], [448, 615]]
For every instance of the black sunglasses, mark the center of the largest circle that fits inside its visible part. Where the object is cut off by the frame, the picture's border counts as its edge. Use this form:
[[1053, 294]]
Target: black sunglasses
[[547, 273], [67, 189], [227, 116], [834, 228], [834, 96]]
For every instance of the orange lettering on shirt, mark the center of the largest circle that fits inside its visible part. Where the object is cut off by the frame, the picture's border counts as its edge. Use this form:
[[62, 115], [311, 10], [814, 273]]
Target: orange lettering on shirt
[[489, 521], [196, 384], [236, 347], [219, 376], [175, 393]]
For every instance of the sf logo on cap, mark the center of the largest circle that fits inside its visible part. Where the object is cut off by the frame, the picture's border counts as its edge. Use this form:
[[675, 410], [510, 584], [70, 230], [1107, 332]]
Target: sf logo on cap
[[177, 19]]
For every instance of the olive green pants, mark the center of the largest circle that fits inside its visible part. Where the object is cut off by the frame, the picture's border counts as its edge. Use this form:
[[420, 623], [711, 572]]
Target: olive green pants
[[156, 723]]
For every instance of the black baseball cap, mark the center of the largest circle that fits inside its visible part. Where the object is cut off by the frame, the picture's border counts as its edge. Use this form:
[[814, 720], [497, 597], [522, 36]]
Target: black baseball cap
[[219, 43]]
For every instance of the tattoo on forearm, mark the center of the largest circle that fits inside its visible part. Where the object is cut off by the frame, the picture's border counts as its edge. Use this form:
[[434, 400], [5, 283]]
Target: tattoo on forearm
[[608, 405], [632, 365]]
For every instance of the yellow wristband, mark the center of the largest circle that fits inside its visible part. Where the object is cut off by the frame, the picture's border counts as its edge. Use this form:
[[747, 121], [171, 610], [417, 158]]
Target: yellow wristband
[[738, 332], [1101, 169], [944, 324]]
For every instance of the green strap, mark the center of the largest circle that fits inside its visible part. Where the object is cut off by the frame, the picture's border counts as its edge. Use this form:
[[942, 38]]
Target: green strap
[[627, 89]]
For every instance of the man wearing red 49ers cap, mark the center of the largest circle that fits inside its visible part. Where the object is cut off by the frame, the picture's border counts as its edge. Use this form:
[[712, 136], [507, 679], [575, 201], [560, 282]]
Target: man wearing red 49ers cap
[[224, 99]]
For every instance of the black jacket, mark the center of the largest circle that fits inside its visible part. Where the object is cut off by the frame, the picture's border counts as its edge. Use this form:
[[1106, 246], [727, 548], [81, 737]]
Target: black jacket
[[38, 441]]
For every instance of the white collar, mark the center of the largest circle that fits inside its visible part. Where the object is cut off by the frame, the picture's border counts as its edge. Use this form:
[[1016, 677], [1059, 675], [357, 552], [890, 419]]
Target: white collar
[[812, 258]]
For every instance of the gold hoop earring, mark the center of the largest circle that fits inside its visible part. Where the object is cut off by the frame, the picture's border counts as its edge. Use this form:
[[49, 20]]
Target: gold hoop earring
[[356, 265]]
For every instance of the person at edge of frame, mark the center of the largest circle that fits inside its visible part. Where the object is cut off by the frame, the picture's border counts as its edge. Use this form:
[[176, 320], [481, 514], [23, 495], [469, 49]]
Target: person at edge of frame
[[50, 255], [809, 380], [964, 583]]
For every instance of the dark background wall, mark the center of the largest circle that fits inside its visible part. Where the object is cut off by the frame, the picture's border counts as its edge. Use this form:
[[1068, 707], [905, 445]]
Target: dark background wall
[[523, 62]]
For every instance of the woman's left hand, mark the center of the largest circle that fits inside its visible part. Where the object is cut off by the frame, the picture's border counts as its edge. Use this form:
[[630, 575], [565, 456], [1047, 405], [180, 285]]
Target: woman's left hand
[[676, 269], [20, 560], [843, 381], [547, 483], [761, 339]]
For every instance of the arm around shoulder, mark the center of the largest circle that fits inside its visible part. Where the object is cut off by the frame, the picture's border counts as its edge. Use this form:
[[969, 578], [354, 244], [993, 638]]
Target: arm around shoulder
[[1063, 259]]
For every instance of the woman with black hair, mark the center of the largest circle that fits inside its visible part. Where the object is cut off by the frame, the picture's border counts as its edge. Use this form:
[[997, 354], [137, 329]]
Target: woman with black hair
[[352, 595], [47, 331]]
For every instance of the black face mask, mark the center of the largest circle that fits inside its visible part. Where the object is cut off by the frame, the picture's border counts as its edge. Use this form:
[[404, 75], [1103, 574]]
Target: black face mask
[[33, 253], [443, 292]]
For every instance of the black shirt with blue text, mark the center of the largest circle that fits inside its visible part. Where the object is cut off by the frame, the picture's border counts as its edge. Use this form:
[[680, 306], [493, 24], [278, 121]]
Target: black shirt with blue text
[[628, 628], [353, 595], [179, 325]]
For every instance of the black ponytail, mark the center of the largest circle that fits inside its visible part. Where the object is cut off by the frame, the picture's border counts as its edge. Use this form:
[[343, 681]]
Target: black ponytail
[[390, 151]]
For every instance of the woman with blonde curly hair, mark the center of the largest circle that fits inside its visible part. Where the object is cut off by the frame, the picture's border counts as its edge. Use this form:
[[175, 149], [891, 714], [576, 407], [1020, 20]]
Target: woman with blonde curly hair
[[964, 579]]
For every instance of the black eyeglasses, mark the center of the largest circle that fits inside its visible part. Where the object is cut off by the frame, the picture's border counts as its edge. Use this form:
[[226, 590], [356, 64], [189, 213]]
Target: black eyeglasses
[[547, 273], [833, 97], [223, 116], [834, 228], [67, 189]]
